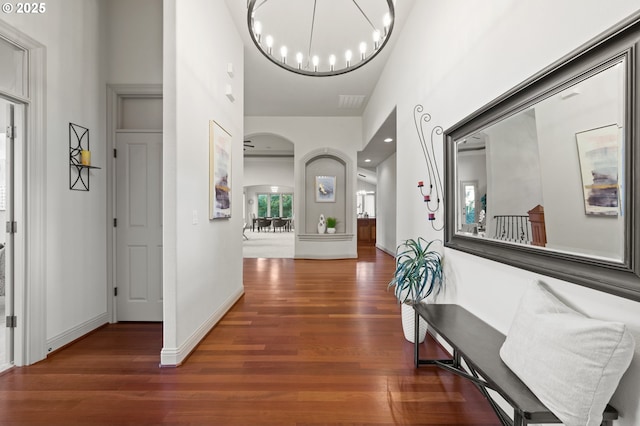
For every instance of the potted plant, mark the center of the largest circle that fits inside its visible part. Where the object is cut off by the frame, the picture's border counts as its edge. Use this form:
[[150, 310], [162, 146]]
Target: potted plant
[[418, 274], [331, 225]]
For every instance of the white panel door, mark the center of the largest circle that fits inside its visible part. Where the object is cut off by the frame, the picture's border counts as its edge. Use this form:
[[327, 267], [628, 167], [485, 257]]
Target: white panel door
[[139, 226]]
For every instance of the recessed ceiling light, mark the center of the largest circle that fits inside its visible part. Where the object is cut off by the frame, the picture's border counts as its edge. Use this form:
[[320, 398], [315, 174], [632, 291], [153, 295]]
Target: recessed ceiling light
[[388, 140], [368, 160]]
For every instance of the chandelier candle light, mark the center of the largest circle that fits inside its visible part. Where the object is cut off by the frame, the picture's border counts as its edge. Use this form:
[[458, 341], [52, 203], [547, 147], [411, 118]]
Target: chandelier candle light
[[326, 32]]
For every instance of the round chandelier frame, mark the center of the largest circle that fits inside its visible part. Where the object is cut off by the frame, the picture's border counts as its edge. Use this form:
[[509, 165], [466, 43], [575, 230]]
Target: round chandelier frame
[[380, 38]]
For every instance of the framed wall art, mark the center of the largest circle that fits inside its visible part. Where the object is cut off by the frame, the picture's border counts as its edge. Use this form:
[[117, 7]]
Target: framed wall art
[[325, 189], [219, 172], [599, 156]]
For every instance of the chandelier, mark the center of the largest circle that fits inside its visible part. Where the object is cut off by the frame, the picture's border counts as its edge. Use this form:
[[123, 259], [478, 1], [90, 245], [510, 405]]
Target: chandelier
[[320, 37]]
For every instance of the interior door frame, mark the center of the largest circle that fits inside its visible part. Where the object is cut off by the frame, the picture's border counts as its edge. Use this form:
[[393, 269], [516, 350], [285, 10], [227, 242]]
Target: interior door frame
[[115, 94], [30, 334]]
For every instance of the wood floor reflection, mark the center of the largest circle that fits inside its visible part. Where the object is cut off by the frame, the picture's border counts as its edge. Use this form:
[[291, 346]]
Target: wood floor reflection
[[310, 343]]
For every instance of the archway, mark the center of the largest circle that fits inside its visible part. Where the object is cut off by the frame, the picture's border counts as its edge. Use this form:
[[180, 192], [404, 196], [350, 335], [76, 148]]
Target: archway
[[268, 192]]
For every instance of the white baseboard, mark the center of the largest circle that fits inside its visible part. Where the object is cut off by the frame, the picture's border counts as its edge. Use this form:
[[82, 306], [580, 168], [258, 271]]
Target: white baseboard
[[76, 332], [389, 252], [173, 357], [339, 236], [333, 256]]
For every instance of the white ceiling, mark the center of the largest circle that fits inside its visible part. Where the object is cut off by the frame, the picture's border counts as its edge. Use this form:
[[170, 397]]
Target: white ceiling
[[272, 91]]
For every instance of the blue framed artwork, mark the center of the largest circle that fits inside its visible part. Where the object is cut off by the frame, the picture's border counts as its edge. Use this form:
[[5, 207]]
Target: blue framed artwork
[[325, 189]]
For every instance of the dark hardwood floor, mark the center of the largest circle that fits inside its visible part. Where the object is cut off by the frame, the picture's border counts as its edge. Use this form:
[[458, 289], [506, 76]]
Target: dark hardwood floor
[[310, 343]]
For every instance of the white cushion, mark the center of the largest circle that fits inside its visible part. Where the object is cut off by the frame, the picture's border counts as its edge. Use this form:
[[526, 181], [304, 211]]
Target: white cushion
[[571, 362]]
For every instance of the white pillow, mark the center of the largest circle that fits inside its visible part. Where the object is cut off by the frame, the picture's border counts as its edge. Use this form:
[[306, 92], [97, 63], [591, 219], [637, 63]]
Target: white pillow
[[571, 362]]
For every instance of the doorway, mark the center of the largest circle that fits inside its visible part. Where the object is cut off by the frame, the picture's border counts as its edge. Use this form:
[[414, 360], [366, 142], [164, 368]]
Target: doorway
[[270, 216], [469, 200], [135, 127], [11, 155], [22, 86], [269, 231]]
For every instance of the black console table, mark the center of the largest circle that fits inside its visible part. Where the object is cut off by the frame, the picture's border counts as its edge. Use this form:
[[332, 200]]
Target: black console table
[[476, 345]]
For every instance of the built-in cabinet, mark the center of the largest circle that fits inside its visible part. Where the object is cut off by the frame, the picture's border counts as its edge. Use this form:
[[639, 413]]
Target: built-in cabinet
[[367, 231]]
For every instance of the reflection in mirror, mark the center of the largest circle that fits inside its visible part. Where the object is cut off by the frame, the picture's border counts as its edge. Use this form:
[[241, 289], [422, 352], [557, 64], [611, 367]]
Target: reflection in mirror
[[366, 204], [550, 176]]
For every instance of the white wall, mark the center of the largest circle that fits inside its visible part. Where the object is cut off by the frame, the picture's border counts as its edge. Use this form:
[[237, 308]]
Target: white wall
[[72, 32], [134, 41], [366, 186], [453, 72], [514, 183], [386, 205], [513, 180], [202, 258], [309, 134], [276, 171]]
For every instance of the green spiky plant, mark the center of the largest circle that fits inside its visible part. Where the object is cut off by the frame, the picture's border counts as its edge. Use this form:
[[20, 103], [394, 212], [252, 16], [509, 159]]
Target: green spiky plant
[[331, 222], [418, 271]]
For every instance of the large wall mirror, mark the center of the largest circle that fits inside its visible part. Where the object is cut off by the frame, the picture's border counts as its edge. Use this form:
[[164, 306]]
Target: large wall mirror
[[546, 177]]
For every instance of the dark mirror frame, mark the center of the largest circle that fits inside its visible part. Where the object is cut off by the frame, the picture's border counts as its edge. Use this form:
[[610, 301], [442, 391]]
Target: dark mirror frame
[[619, 278]]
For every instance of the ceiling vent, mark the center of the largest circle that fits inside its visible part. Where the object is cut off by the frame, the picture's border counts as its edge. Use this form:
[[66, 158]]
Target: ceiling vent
[[351, 101]]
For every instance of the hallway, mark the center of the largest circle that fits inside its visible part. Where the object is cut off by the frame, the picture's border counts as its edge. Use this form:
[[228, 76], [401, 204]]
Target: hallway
[[310, 343]]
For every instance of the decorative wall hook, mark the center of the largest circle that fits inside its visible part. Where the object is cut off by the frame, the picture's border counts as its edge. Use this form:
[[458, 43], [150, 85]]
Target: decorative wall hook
[[432, 194]]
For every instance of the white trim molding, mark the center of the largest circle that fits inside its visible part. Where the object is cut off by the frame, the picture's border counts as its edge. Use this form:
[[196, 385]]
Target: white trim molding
[[76, 332], [333, 256], [325, 237], [389, 252], [30, 272], [173, 357]]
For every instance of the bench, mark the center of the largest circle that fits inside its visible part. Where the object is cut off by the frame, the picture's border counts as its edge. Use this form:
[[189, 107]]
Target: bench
[[478, 344]]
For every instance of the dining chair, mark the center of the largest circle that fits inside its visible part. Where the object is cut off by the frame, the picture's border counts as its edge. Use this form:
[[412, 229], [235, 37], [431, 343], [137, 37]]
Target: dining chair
[[279, 223], [263, 223]]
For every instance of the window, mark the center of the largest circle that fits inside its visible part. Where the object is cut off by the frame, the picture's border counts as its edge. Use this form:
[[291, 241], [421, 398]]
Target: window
[[275, 205], [13, 68], [263, 199], [287, 205]]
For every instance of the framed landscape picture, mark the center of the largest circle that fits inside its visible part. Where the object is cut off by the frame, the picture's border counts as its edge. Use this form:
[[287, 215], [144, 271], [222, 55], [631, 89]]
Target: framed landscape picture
[[219, 172], [325, 189]]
